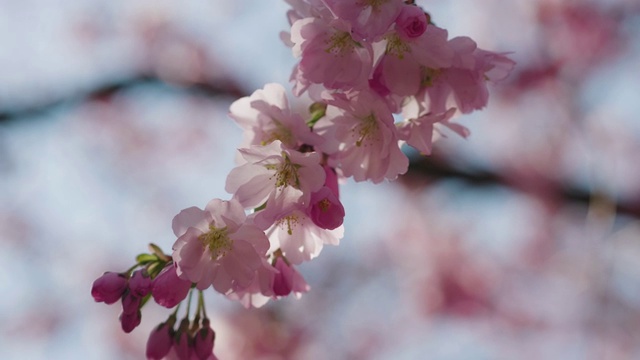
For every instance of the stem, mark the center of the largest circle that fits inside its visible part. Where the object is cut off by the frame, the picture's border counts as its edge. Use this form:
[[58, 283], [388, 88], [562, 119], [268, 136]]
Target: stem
[[128, 272], [175, 313], [201, 304], [189, 302]]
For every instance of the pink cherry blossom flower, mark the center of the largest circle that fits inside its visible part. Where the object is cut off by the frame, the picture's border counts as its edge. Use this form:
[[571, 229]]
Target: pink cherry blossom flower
[[366, 136], [217, 246], [299, 238], [370, 19], [288, 280], [465, 82], [266, 116], [419, 132], [168, 289], [307, 8], [401, 66], [109, 287], [329, 55], [160, 340], [281, 177], [260, 291]]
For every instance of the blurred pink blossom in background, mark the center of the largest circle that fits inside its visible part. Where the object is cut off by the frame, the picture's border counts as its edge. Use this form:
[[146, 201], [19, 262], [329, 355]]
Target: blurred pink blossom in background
[[520, 242]]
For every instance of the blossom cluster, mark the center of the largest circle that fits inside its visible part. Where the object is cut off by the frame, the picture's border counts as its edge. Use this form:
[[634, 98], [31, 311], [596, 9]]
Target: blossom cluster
[[374, 75]]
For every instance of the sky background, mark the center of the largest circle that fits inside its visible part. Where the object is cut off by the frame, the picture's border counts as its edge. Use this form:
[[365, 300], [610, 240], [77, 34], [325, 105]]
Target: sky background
[[113, 118]]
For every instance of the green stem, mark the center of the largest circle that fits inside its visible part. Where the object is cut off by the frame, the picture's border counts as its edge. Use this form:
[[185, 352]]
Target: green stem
[[128, 272], [201, 304], [189, 302]]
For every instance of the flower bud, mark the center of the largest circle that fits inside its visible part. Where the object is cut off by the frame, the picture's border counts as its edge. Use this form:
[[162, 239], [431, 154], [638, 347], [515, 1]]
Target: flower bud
[[412, 22], [282, 283], [168, 289], [203, 342], [160, 341], [109, 287], [182, 342], [130, 321], [130, 303], [331, 180], [326, 210], [140, 283]]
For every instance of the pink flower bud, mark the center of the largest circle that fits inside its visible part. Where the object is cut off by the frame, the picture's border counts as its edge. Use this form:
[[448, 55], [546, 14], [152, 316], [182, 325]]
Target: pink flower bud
[[140, 283], [283, 281], [326, 211], [130, 303], [331, 180], [288, 280], [412, 22], [109, 287], [168, 289], [203, 342], [160, 341], [182, 341], [130, 321]]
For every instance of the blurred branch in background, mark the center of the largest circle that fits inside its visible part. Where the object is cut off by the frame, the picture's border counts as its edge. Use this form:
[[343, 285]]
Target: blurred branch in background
[[520, 242]]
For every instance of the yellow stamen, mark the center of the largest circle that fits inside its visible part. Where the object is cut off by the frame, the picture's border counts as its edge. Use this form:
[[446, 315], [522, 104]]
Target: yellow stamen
[[217, 240]]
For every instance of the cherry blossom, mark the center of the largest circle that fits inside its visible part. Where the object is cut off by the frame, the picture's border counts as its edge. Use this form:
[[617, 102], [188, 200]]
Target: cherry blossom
[[370, 19], [260, 291], [465, 82], [299, 239], [265, 116], [217, 247], [366, 138], [329, 55], [419, 132], [360, 62], [401, 66], [281, 177]]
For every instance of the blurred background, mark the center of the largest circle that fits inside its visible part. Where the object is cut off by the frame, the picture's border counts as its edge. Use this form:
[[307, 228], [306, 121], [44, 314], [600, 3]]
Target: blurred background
[[521, 242]]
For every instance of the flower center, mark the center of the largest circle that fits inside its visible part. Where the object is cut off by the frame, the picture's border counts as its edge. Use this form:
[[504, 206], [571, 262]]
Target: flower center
[[217, 240], [364, 130], [280, 132], [288, 222], [428, 75], [340, 43], [324, 204], [286, 173], [373, 3], [396, 46]]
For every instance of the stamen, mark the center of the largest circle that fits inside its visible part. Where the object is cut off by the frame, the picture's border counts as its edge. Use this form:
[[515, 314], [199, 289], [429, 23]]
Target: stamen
[[286, 173], [217, 240], [396, 46], [368, 127], [290, 222], [340, 43]]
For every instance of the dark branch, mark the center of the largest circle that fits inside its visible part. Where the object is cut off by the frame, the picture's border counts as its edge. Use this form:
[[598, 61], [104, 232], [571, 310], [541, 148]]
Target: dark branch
[[429, 169]]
